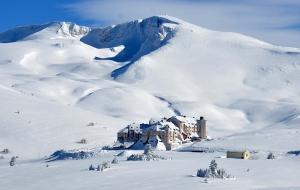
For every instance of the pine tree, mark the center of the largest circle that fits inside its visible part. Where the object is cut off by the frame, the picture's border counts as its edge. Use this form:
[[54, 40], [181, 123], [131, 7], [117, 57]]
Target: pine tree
[[203, 173], [91, 167], [99, 168], [213, 166]]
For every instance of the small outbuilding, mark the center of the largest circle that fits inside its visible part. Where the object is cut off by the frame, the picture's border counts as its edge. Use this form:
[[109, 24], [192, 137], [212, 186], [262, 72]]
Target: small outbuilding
[[238, 154]]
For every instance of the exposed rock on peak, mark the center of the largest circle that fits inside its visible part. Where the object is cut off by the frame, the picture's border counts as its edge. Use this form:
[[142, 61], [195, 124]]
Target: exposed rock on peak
[[65, 29]]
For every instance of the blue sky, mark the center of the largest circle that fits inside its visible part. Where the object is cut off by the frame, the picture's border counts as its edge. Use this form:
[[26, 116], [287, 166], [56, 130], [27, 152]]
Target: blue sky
[[25, 12], [275, 21]]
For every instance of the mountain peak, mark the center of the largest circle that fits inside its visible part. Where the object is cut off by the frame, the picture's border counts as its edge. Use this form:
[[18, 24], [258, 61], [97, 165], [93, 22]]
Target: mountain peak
[[69, 29], [65, 29], [139, 37], [163, 19]]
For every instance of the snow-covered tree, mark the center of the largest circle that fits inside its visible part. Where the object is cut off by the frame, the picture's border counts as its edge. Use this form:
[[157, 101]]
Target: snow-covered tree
[[213, 171], [145, 157], [213, 166]]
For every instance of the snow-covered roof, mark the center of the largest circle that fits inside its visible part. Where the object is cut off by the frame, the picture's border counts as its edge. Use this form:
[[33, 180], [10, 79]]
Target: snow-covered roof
[[187, 120], [133, 126], [159, 124], [171, 126]]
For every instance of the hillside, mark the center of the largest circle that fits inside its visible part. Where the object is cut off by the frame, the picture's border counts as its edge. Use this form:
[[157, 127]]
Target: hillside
[[61, 76]]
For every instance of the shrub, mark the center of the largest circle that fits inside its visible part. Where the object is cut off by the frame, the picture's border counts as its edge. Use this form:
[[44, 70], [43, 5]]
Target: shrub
[[145, 157], [91, 167], [91, 124], [148, 149], [106, 165], [12, 161], [69, 155], [106, 147], [115, 161], [271, 156], [100, 168], [203, 173], [83, 141], [5, 151], [294, 152], [103, 166]]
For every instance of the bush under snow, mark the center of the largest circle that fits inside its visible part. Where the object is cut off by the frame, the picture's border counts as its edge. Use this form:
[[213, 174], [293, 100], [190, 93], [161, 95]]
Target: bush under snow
[[148, 155], [145, 157], [69, 155], [294, 152]]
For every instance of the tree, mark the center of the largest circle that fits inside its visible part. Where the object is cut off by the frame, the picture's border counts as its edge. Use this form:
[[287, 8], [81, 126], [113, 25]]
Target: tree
[[100, 168], [271, 156], [83, 141], [213, 166], [221, 173], [203, 173], [115, 161], [12, 161], [148, 149], [105, 165], [5, 151], [91, 167], [213, 171]]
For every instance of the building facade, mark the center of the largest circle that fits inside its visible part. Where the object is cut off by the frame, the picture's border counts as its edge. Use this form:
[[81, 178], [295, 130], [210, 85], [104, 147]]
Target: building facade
[[238, 154], [166, 133]]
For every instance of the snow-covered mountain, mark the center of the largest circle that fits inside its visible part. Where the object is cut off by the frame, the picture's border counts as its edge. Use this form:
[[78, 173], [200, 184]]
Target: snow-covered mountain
[[64, 29], [58, 77]]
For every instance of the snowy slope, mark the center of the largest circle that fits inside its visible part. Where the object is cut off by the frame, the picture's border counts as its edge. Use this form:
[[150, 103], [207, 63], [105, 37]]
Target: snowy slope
[[32, 128], [67, 75], [176, 174]]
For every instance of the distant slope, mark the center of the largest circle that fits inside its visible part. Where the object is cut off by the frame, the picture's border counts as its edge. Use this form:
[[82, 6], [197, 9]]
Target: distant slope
[[20, 33]]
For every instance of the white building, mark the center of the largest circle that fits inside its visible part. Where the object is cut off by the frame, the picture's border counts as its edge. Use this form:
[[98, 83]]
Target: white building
[[163, 134]]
